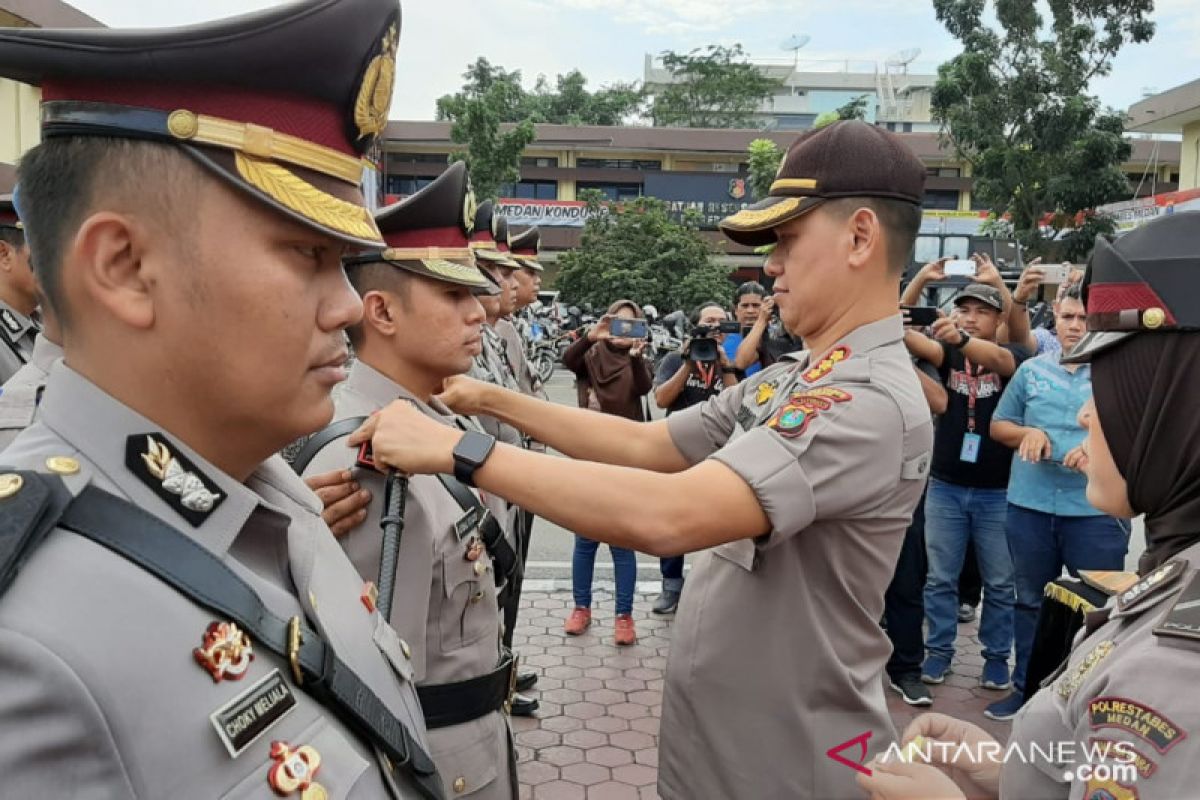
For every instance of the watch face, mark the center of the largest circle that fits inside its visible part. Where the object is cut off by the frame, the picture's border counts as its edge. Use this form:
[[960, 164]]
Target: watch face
[[474, 448]]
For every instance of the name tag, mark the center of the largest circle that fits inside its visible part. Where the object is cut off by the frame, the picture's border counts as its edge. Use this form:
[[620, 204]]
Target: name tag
[[245, 718], [970, 448], [469, 522]]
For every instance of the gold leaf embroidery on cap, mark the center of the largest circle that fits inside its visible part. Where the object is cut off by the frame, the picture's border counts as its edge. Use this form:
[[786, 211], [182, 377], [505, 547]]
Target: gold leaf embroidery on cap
[[375, 92], [306, 199], [458, 272], [749, 217]]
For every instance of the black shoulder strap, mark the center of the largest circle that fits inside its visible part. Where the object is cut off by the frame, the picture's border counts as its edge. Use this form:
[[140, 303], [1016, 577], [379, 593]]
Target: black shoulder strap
[[183, 564], [316, 443], [29, 512], [503, 556]]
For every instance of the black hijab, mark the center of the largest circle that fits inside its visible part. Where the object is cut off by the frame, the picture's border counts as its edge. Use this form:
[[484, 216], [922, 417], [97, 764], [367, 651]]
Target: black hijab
[[1147, 393]]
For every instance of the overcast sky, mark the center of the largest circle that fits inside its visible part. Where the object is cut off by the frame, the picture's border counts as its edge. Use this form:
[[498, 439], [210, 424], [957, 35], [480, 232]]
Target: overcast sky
[[607, 39]]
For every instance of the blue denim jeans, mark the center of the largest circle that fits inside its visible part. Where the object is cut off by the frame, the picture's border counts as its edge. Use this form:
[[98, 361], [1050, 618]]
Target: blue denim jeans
[[955, 515], [583, 563], [1041, 545]]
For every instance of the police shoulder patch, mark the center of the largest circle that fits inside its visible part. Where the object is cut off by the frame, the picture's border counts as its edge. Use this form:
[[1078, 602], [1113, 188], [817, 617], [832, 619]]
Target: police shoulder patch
[[793, 417], [1183, 619], [1148, 724]]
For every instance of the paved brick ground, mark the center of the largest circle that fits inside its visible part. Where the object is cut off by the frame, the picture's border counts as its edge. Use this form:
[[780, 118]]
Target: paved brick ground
[[596, 735]]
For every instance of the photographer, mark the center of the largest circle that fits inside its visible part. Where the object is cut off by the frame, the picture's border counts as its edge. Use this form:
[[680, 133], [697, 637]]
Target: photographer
[[747, 348], [698, 371]]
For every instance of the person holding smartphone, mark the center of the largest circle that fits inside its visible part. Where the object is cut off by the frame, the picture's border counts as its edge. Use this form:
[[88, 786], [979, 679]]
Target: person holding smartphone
[[611, 376]]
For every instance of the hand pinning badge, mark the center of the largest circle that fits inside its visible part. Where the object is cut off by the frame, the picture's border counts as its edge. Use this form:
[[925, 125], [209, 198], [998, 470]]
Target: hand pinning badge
[[296, 771]]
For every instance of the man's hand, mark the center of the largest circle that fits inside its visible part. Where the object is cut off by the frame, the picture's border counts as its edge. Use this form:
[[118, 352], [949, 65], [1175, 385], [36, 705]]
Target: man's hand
[[601, 330], [894, 780], [638, 347], [945, 330], [933, 271], [464, 395], [345, 504], [986, 272], [764, 314], [1031, 279], [1035, 446], [403, 438], [974, 769], [1076, 459]]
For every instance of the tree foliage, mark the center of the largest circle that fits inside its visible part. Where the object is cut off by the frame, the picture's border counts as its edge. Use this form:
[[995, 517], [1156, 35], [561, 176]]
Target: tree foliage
[[1014, 104], [712, 87], [764, 159], [854, 109], [565, 101], [636, 251]]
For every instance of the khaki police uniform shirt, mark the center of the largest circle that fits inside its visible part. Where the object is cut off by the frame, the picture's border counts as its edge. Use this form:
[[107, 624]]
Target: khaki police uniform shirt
[[20, 394], [443, 606], [17, 332], [1126, 699], [515, 347], [777, 654], [100, 693]]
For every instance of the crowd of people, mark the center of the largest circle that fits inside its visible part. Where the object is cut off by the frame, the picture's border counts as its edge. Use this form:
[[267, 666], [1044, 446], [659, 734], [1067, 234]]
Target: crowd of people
[[183, 271]]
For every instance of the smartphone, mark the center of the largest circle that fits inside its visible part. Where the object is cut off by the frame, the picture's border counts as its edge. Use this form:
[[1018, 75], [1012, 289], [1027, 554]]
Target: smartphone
[[923, 316], [628, 328], [959, 266], [1055, 273], [730, 327]]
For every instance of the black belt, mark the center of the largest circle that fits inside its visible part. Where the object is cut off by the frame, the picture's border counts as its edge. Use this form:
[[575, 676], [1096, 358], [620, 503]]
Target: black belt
[[198, 574], [449, 704]]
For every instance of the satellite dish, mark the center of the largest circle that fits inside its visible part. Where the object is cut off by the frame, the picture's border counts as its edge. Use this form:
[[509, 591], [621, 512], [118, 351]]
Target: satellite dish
[[904, 57], [795, 42]]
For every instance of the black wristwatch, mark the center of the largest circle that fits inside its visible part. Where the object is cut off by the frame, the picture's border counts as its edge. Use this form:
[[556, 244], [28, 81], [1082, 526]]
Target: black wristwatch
[[729, 370], [469, 454], [963, 341]]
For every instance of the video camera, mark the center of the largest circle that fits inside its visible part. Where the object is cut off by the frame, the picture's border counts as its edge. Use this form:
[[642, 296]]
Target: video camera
[[703, 344]]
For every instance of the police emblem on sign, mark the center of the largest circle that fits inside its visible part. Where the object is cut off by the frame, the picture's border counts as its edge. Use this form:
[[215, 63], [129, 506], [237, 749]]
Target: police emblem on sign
[[737, 188]]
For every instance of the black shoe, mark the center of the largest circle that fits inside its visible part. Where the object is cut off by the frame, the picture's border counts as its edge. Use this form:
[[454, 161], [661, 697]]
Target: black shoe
[[912, 690], [523, 706], [526, 681], [666, 603], [966, 613]]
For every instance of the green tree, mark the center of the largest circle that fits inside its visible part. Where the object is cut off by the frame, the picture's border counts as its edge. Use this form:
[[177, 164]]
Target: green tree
[[855, 109], [764, 159], [489, 98], [712, 87], [1014, 104], [636, 251]]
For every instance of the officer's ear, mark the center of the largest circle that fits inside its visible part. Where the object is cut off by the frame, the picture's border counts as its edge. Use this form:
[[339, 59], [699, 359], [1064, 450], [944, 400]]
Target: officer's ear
[[109, 264], [380, 311], [866, 237]]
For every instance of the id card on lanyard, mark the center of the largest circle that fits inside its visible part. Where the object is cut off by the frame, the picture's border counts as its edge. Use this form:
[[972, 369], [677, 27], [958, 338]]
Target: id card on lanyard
[[971, 440]]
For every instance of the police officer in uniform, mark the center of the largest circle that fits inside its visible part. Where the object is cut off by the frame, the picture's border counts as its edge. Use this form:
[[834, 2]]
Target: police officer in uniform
[[20, 394], [18, 293], [523, 248], [798, 484], [1125, 698], [175, 618], [421, 324]]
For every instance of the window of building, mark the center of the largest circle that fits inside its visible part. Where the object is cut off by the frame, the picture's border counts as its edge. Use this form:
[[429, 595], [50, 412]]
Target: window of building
[[419, 158], [1174, 177], [941, 199], [613, 191], [617, 163], [406, 184], [794, 122], [943, 172], [539, 161], [531, 190]]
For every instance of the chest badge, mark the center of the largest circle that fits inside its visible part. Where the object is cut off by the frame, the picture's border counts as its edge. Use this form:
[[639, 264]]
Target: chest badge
[[296, 771], [226, 652], [764, 393], [826, 364]]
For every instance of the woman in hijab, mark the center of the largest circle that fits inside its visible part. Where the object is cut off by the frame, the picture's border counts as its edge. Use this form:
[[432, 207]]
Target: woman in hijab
[[611, 376], [1121, 718]]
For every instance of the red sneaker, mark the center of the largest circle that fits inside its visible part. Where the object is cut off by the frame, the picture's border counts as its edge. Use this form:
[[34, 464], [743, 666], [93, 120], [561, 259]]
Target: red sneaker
[[625, 634], [579, 621]]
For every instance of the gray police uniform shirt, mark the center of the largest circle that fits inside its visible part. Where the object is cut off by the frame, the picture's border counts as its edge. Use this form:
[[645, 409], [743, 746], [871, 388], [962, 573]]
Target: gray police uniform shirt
[[101, 694], [20, 394], [17, 333], [777, 655], [443, 605], [1123, 707]]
